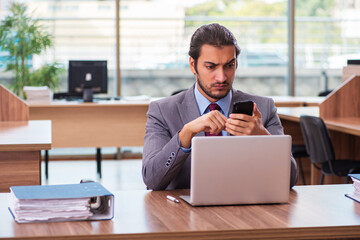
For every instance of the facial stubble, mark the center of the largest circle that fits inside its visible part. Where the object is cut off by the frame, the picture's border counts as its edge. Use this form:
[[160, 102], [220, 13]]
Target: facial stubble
[[208, 91]]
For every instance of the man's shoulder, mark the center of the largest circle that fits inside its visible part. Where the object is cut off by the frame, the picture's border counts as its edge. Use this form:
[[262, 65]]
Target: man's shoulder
[[169, 106], [171, 100]]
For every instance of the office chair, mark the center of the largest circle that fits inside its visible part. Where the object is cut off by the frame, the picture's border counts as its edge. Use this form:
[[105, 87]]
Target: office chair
[[324, 93], [178, 91], [319, 147], [299, 151]]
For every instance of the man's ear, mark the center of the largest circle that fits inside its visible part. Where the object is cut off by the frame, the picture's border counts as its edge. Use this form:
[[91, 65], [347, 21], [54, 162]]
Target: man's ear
[[192, 65]]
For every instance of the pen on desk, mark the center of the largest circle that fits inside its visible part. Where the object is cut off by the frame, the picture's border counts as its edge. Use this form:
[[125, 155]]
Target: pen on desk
[[172, 199]]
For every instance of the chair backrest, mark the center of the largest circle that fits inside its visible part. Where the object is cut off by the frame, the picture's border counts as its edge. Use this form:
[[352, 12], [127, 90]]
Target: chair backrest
[[178, 91], [324, 93], [317, 140]]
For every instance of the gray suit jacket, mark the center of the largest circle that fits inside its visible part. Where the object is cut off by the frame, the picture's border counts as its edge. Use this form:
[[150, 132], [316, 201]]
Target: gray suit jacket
[[165, 165]]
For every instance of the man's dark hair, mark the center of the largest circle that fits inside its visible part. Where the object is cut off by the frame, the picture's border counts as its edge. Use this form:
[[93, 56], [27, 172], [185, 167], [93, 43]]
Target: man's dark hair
[[212, 34]]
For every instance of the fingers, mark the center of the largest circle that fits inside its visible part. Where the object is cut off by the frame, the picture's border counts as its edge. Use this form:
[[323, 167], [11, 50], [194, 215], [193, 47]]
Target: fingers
[[240, 116], [242, 124], [237, 124], [257, 113], [212, 122], [215, 122], [238, 127], [245, 117]]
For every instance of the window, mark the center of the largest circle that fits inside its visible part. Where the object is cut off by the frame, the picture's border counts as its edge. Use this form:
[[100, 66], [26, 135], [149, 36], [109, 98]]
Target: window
[[80, 32], [325, 37], [155, 37]]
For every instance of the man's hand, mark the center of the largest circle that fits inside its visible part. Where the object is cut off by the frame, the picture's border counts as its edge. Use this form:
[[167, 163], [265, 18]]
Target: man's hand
[[212, 122], [241, 124]]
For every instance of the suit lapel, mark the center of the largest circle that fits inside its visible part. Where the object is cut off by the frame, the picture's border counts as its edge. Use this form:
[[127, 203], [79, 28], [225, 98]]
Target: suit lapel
[[188, 108]]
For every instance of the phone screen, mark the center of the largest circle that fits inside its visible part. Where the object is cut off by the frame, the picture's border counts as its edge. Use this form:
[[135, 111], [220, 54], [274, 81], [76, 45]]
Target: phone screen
[[245, 107]]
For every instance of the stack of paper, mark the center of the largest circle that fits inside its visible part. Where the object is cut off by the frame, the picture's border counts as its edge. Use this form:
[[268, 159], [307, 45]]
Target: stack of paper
[[356, 184], [27, 210], [60, 202], [38, 94]]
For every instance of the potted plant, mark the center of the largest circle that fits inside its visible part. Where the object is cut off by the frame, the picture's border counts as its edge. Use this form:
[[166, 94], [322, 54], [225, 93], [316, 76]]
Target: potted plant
[[22, 37]]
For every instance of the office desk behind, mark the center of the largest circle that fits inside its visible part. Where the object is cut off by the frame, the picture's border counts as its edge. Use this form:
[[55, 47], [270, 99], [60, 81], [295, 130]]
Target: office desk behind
[[291, 101], [348, 125], [103, 124], [107, 123], [345, 126], [313, 212], [20, 146]]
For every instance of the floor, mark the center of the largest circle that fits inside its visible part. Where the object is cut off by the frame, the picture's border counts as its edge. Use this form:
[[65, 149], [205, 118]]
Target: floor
[[116, 174]]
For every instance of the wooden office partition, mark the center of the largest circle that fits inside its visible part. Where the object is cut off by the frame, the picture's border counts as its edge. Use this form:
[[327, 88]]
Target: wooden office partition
[[21, 141], [12, 108], [342, 106], [343, 102]]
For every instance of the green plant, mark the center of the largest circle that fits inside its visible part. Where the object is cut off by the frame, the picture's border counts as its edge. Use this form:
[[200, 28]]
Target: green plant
[[47, 75], [22, 37]]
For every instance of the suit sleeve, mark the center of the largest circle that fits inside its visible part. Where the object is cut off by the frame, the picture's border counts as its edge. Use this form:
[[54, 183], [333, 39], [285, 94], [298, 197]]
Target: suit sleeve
[[162, 155], [273, 125]]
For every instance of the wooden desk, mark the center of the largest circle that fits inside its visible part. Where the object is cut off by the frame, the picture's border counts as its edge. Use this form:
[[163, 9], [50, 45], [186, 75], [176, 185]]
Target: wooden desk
[[103, 124], [20, 146], [349, 125], [108, 123], [294, 113], [313, 212], [290, 101]]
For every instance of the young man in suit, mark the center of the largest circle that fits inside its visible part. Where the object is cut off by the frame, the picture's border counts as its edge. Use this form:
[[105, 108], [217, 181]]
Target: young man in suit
[[172, 122]]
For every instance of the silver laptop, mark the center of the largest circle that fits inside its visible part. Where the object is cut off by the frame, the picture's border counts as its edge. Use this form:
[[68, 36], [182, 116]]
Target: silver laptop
[[231, 170]]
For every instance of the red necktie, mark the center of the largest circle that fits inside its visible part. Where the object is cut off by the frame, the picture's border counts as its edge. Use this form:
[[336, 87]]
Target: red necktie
[[212, 107]]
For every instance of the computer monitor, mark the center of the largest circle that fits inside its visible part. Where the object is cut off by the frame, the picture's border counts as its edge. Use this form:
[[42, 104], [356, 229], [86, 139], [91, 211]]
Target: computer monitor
[[353, 61], [87, 77]]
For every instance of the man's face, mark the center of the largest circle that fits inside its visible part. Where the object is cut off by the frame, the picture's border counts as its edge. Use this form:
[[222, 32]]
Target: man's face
[[215, 71]]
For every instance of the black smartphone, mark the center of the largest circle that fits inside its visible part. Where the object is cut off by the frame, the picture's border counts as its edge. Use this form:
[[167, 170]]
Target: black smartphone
[[245, 107]]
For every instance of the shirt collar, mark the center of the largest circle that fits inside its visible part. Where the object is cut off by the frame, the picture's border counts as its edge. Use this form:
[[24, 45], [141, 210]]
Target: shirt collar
[[203, 102]]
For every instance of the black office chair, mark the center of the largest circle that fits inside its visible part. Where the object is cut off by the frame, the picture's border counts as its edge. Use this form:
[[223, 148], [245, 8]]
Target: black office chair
[[319, 147], [178, 91], [324, 93], [299, 151]]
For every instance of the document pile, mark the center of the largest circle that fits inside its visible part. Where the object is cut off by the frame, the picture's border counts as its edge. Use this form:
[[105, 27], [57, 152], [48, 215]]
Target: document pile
[[356, 184], [85, 201], [38, 94]]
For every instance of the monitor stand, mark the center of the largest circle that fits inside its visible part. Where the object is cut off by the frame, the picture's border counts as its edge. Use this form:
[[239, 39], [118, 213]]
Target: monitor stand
[[88, 95]]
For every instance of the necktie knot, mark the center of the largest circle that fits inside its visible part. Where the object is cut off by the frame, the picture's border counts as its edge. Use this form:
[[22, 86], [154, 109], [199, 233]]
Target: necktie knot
[[214, 106]]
